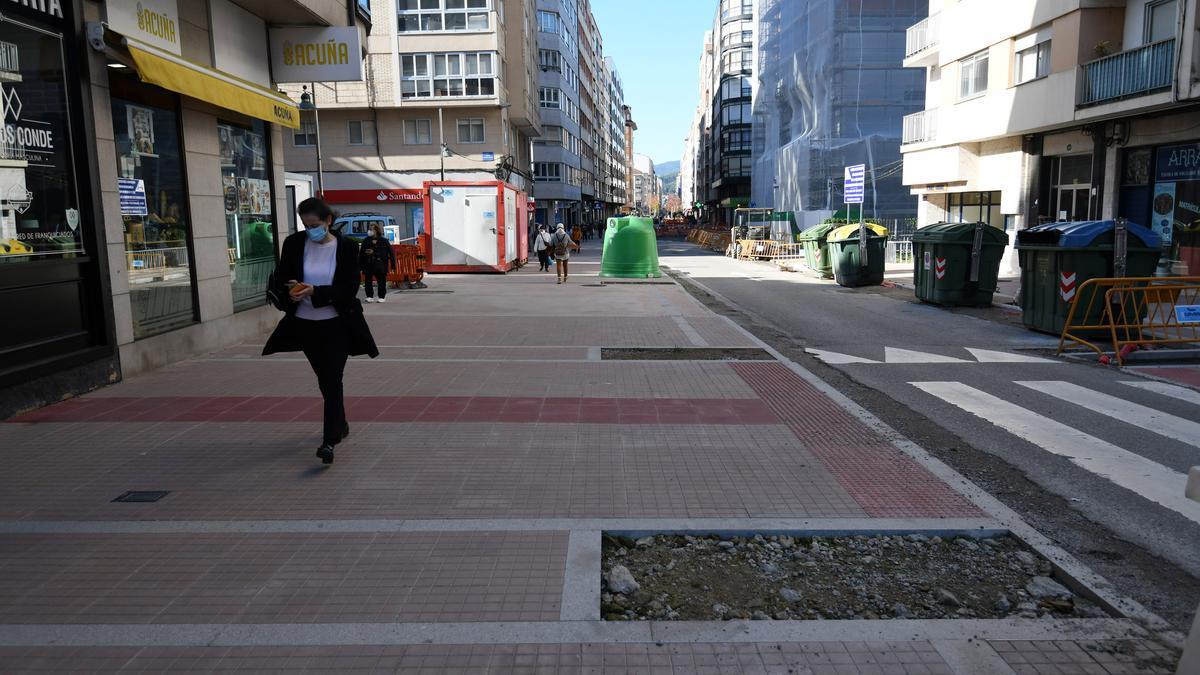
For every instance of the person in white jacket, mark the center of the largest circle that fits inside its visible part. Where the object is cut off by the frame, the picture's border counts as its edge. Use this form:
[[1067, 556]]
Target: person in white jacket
[[541, 246]]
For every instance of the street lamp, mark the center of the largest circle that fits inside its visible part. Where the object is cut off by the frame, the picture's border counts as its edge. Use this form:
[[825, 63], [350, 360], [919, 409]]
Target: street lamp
[[308, 104]]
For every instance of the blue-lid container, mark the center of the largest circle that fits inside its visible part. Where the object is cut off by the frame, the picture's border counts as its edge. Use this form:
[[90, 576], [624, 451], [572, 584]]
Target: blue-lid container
[[1086, 234]]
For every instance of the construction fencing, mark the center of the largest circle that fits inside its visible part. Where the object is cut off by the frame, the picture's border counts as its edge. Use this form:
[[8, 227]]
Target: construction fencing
[[1134, 313]]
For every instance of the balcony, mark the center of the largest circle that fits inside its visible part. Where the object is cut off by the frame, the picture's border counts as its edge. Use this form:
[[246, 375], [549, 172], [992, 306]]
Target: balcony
[[920, 127], [921, 41], [1136, 72]]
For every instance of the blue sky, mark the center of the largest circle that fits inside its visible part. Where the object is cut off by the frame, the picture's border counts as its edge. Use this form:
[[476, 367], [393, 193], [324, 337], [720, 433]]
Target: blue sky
[[656, 45]]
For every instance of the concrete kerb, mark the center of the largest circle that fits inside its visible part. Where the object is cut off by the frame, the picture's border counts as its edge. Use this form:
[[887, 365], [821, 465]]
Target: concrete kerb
[[1077, 576], [562, 632]]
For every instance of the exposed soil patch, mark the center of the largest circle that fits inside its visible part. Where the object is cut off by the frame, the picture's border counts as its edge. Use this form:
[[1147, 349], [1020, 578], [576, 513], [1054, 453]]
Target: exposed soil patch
[[684, 354], [778, 577]]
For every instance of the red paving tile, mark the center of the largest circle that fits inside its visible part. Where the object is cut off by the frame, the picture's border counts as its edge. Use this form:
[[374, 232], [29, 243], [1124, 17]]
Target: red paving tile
[[1185, 375], [568, 410], [884, 481]]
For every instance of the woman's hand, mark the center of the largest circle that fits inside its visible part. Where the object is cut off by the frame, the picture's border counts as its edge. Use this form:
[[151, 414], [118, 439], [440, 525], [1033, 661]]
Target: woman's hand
[[301, 291]]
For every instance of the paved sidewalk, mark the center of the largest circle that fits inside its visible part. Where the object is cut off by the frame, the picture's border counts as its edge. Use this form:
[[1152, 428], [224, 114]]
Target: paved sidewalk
[[459, 529]]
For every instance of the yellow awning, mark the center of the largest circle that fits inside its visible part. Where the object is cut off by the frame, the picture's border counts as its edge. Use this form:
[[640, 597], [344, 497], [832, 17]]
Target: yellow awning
[[206, 84]]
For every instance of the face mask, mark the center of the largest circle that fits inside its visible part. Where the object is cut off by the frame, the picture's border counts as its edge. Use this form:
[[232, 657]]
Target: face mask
[[317, 233]]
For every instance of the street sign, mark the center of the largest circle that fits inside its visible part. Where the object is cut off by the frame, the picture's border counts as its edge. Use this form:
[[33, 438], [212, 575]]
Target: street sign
[[855, 185], [1187, 314], [489, 156]]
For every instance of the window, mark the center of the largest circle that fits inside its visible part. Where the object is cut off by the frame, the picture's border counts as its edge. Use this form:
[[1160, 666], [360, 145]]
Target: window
[[738, 87], [973, 76], [736, 166], [737, 61], [551, 22], [737, 33], [149, 159], [547, 172], [1160, 20], [553, 135], [360, 132], [417, 16], [249, 210], [305, 136], [731, 8], [550, 59], [1033, 62], [453, 75], [549, 97], [417, 132], [974, 207], [738, 113], [470, 130], [736, 140]]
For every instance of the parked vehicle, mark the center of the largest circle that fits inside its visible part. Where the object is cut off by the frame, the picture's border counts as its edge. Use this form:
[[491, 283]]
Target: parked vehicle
[[358, 225]]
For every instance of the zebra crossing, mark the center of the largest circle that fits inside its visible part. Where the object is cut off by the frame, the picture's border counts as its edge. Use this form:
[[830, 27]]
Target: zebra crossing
[[1128, 468]]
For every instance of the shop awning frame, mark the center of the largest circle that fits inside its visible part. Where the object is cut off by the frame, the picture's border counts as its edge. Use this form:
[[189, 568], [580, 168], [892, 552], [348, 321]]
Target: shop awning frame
[[198, 81]]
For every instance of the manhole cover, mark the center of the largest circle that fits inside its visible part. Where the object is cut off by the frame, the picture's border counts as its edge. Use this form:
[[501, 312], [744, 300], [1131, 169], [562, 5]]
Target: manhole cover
[[143, 496]]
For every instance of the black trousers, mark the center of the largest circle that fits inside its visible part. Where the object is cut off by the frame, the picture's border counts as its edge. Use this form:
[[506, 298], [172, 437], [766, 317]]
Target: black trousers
[[376, 277], [326, 345], [543, 259]]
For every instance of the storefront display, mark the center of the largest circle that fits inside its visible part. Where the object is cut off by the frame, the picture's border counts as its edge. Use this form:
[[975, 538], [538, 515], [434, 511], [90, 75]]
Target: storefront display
[[39, 206], [249, 210], [157, 233], [1161, 187]]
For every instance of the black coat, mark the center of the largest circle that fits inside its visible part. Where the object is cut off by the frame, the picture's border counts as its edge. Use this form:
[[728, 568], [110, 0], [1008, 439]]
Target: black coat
[[381, 258], [342, 294]]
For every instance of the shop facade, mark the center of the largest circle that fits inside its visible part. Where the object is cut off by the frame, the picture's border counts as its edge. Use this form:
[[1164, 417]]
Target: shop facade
[[150, 212]]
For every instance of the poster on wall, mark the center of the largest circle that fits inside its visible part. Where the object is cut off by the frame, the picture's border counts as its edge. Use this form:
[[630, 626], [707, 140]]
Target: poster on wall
[[140, 126], [1163, 207], [260, 196], [226, 140], [230, 188], [244, 195]]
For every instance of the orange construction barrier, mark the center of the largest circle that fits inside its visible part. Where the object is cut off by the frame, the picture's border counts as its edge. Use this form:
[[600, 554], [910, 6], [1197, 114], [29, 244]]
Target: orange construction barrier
[[1134, 313], [410, 267]]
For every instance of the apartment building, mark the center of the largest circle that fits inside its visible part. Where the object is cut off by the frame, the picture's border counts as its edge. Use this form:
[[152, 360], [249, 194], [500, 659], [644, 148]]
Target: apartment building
[[140, 212], [578, 90], [647, 186], [616, 159], [695, 167], [1049, 111], [730, 79], [830, 93], [450, 93]]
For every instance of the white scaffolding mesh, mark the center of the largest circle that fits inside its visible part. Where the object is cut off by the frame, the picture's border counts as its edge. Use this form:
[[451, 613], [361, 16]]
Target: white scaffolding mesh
[[831, 93]]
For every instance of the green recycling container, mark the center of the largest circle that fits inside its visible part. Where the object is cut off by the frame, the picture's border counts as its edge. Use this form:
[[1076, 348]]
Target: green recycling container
[[848, 269], [1056, 258], [630, 249], [816, 253], [944, 263]]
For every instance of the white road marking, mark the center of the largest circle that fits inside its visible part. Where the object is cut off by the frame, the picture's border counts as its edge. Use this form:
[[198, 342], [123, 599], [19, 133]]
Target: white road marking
[[1131, 471], [989, 356], [836, 359], [1174, 391], [895, 355], [1141, 416]]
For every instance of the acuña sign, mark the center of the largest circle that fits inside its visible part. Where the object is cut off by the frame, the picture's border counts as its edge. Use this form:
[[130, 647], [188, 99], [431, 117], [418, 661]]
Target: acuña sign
[[316, 54]]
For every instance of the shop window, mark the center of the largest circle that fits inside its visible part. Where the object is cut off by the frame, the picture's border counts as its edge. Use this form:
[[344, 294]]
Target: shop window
[[39, 207], [154, 211], [974, 207], [249, 210]]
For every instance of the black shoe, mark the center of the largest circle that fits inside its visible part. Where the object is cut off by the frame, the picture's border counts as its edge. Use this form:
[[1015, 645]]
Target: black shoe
[[325, 452]]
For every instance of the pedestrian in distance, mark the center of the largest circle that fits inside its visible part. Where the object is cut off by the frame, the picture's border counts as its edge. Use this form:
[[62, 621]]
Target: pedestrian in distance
[[376, 258], [544, 248], [577, 237], [316, 286], [562, 243]]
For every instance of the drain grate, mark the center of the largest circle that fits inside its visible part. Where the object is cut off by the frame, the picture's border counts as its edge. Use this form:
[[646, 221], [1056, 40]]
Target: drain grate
[[142, 496]]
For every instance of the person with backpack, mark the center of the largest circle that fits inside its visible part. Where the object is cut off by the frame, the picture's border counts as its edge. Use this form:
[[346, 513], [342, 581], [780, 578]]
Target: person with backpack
[[562, 243], [316, 286], [376, 258], [543, 247]]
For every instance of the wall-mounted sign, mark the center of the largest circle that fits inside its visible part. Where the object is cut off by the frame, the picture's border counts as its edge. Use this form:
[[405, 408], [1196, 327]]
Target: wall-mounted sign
[[308, 54], [855, 182], [1178, 162], [155, 22], [489, 156], [368, 196]]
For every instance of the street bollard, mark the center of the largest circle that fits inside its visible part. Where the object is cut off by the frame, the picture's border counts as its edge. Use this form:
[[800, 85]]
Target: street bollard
[[1189, 663]]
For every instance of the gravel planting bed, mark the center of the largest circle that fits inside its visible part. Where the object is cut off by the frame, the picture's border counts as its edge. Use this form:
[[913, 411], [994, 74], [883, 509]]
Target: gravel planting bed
[[709, 578]]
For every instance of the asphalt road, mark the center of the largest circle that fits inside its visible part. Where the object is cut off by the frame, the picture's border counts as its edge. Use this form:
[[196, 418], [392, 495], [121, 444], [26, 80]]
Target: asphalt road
[[1070, 445]]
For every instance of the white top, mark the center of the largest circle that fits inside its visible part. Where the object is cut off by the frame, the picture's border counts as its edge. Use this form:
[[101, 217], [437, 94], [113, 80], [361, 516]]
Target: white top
[[320, 261]]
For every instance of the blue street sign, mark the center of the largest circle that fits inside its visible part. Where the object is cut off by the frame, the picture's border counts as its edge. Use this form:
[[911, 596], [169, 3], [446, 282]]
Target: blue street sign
[[487, 157], [1187, 314], [855, 186]]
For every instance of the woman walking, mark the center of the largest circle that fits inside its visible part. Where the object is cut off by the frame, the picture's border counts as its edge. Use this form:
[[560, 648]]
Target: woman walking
[[543, 248], [562, 245], [376, 259], [316, 284]]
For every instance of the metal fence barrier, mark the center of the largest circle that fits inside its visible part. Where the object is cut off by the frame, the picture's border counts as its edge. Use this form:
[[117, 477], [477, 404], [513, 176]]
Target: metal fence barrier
[[1134, 312]]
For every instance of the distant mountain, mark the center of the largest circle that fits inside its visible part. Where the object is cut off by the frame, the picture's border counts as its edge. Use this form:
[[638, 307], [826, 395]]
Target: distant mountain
[[667, 168]]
